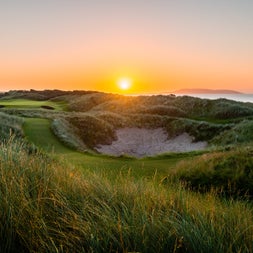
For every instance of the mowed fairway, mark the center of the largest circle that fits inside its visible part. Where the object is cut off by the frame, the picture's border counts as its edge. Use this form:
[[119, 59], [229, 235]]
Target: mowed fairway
[[38, 132]]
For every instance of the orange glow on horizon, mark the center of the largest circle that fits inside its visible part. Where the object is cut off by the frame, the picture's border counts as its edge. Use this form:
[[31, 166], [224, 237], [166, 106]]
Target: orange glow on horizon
[[145, 79]]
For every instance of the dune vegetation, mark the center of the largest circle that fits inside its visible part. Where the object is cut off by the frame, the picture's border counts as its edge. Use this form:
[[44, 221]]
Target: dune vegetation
[[229, 172], [50, 207], [58, 194], [10, 125]]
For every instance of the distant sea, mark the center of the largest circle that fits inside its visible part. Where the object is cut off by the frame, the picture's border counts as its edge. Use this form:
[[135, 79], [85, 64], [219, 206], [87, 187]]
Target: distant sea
[[241, 97]]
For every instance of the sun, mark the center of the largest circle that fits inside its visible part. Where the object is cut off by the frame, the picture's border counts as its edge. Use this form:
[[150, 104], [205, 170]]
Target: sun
[[124, 83]]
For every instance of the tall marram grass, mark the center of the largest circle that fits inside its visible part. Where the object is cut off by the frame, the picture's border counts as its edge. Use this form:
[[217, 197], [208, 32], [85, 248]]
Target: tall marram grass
[[49, 207], [230, 172]]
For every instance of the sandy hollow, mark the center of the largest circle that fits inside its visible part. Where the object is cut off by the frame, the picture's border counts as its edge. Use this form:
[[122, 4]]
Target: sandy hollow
[[141, 142]]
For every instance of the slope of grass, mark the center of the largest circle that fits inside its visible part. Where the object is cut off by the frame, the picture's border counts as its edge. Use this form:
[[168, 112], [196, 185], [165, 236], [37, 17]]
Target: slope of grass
[[38, 132], [49, 207], [67, 134]]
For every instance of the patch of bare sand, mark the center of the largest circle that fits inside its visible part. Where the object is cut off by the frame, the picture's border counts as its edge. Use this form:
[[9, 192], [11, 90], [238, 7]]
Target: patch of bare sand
[[141, 142]]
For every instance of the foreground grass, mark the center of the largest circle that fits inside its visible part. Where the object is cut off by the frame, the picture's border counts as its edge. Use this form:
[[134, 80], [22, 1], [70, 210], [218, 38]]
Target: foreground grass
[[49, 207], [230, 172]]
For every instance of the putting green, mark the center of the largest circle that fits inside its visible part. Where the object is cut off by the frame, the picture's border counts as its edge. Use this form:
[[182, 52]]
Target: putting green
[[32, 104]]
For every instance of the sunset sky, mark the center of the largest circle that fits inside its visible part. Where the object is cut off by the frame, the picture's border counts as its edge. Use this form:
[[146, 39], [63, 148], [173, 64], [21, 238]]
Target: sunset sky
[[160, 45]]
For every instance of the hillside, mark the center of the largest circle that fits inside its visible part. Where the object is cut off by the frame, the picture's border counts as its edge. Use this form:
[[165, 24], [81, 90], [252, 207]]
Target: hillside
[[85, 119]]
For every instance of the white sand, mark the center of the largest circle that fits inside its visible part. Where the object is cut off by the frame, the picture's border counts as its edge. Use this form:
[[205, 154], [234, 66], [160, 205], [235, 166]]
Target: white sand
[[140, 142]]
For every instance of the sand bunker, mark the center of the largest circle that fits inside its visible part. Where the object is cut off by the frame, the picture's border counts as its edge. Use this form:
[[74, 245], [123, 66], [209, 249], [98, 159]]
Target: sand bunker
[[140, 142]]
